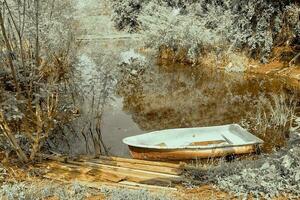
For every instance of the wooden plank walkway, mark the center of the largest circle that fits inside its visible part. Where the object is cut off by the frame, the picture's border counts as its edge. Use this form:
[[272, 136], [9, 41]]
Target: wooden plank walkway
[[114, 171]]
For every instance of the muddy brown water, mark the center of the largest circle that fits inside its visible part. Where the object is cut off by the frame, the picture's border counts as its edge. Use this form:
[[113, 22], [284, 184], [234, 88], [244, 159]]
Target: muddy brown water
[[174, 96], [117, 124]]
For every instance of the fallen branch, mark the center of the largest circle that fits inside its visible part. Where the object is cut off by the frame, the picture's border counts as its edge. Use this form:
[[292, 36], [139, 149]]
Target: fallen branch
[[11, 138], [294, 60]]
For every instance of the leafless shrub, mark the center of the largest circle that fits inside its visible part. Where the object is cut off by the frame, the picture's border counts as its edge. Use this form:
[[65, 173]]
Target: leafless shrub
[[36, 83], [98, 85]]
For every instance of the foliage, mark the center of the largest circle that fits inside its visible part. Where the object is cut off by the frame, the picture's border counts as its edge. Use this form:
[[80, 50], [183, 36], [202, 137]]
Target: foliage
[[255, 27], [35, 81], [28, 190], [125, 194], [169, 28], [267, 177], [126, 14], [49, 190], [273, 115]]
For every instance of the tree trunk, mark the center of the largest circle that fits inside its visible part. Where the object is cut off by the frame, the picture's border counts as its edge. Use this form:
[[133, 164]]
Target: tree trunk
[[9, 49], [11, 138]]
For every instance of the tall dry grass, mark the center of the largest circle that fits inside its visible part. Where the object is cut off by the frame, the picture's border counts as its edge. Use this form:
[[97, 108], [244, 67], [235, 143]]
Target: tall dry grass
[[273, 119]]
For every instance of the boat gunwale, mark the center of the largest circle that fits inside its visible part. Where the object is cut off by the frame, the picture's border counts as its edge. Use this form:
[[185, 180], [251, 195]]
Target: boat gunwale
[[199, 147]]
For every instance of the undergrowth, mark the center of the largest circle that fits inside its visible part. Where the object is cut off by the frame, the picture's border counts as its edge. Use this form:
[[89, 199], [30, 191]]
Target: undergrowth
[[125, 194], [253, 27], [275, 175], [37, 88], [272, 119], [43, 190]]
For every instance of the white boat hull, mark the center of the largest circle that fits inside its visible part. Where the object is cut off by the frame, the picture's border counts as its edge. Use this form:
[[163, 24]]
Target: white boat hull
[[193, 143]]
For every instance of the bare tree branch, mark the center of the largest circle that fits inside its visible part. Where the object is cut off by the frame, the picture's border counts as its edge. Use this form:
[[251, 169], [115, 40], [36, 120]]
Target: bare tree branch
[[9, 48], [11, 138], [18, 33], [294, 60], [37, 45]]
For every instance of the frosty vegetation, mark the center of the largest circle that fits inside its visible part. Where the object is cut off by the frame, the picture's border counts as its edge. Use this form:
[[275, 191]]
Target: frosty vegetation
[[52, 190], [125, 194], [198, 26], [44, 190], [36, 78], [273, 115], [44, 101], [268, 177]]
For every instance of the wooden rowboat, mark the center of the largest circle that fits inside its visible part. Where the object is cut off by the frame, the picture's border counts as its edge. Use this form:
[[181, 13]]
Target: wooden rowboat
[[193, 143]]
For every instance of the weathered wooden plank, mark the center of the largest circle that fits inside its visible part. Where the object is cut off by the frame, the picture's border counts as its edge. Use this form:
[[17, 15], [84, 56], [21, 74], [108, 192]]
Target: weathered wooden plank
[[124, 169], [72, 174], [116, 160], [101, 184], [151, 168], [75, 165], [132, 174], [115, 170], [116, 174], [144, 162]]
